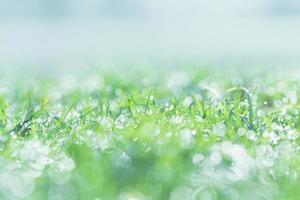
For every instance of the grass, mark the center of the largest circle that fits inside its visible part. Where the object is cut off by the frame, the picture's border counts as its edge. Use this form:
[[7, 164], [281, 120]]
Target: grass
[[143, 133]]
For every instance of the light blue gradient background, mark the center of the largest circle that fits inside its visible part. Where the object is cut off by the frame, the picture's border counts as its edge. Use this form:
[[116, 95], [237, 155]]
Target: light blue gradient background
[[44, 31]]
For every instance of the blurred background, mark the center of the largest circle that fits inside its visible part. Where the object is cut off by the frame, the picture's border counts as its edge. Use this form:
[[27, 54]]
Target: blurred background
[[54, 31]]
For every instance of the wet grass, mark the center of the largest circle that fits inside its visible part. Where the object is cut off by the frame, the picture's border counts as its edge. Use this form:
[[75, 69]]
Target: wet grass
[[184, 133]]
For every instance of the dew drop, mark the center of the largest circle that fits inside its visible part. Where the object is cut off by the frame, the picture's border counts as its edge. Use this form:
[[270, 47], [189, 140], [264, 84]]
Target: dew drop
[[215, 158], [187, 138], [220, 129], [66, 164], [20, 185], [187, 101], [241, 131], [251, 135], [198, 158]]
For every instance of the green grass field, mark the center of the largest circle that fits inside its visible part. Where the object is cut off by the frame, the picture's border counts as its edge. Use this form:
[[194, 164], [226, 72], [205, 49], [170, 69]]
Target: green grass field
[[150, 133]]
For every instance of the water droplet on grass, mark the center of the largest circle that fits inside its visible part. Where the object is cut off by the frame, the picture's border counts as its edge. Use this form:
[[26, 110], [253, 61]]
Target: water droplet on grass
[[241, 131], [177, 81], [66, 164], [215, 158], [261, 150], [176, 119], [20, 185], [198, 158], [220, 129], [187, 138], [251, 135], [187, 101]]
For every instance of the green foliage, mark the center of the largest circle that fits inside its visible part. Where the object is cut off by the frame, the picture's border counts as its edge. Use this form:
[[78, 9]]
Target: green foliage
[[147, 134]]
